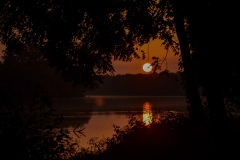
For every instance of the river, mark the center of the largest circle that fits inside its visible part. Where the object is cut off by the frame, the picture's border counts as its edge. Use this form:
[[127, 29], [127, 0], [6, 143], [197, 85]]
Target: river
[[98, 114]]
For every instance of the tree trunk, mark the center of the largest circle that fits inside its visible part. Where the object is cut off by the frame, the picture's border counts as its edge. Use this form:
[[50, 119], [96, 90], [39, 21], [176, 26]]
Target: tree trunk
[[210, 47], [196, 107], [214, 50]]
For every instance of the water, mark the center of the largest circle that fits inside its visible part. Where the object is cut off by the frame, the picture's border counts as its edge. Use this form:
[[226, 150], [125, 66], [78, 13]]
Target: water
[[98, 114]]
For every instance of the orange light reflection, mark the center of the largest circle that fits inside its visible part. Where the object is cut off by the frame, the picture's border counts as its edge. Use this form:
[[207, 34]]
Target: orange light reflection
[[147, 113], [99, 101]]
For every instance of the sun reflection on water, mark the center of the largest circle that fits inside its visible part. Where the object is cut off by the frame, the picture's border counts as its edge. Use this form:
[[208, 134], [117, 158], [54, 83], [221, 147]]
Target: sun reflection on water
[[147, 113]]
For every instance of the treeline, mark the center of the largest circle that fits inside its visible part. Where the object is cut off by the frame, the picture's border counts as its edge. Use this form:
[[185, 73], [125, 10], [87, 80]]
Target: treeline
[[141, 85]]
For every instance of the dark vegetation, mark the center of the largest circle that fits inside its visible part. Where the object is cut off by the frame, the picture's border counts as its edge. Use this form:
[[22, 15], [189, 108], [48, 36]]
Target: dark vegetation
[[23, 73], [28, 129], [174, 137], [141, 84], [79, 40]]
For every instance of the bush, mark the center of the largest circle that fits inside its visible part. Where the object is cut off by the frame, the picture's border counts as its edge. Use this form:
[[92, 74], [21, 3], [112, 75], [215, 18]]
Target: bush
[[28, 129]]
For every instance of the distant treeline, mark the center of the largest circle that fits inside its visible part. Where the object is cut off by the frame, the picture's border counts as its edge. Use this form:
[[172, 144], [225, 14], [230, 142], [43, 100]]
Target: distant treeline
[[141, 84]]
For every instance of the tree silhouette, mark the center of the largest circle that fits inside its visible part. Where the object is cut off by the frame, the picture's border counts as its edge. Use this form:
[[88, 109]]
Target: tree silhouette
[[30, 69], [79, 39], [191, 84], [197, 25], [82, 39], [212, 67]]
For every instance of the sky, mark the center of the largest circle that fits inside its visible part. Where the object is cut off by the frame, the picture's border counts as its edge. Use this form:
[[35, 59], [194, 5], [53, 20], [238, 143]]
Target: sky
[[154, 48]]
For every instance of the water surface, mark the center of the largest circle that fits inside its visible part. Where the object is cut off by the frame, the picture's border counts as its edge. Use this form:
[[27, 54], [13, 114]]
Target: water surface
[[98, 114]]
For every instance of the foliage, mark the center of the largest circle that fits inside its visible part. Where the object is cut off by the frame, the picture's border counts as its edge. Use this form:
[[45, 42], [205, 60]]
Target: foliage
[[171, 136], [82, 39], [29, 129], [127, 141], [79, 39], [30, 69], [28, 122]]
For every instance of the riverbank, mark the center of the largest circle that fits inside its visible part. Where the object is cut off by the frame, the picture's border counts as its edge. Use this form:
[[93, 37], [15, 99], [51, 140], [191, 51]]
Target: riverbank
[[171, 140]]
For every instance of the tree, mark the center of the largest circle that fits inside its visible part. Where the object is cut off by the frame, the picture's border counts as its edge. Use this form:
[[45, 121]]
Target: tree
[[209, 48], [196, 25], [81, 40], [203, 31], [191, 83], [31, 71]]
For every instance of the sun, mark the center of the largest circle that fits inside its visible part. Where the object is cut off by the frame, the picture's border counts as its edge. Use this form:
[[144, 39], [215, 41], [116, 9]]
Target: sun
[[147, 67]]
